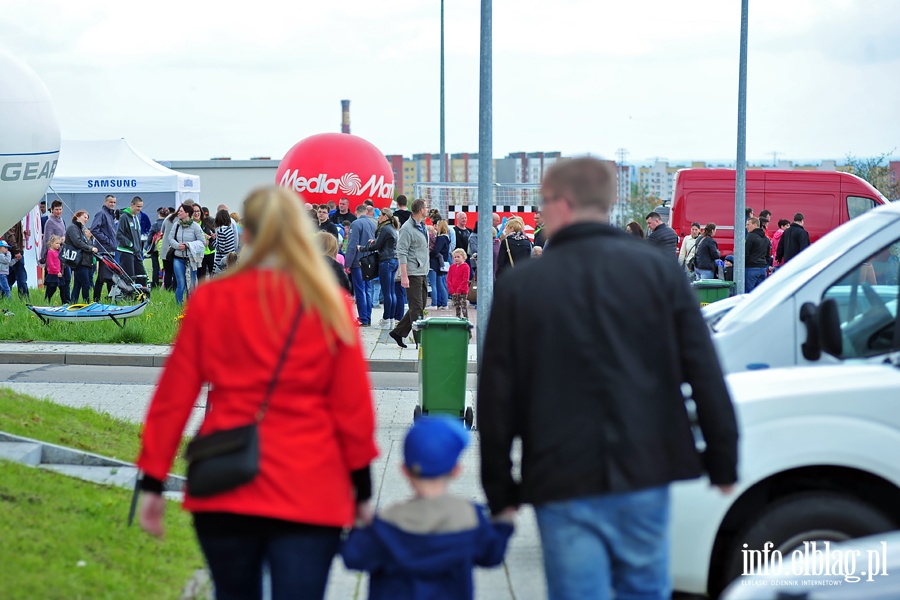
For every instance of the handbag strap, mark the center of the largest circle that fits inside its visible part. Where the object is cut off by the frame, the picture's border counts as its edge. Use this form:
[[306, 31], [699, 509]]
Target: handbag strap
[[509, 254], [264, 407]]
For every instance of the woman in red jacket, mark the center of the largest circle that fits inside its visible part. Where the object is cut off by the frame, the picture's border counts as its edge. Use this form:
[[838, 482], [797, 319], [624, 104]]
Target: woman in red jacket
[[317, 437]]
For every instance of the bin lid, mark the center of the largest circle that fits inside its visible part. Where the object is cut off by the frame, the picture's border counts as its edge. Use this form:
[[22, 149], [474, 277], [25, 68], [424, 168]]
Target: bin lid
[[712, 283], [446, 322]]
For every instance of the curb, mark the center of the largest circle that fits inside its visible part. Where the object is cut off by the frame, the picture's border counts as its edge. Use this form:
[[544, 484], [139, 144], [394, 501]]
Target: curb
[[149, 360]]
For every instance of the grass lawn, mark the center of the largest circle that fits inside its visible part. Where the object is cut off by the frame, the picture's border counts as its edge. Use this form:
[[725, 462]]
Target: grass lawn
[[81, 428], [66, 538], [50, 522], [157, 325]]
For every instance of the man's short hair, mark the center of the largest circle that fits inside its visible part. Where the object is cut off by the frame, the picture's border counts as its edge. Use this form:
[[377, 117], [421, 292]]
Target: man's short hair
[[108, 196], [55, 203], [765, 214], [747, 212], [137, 199], [783, 222], [798, 217], [368, 202], [401, 200], [44, 202], [588, 182], [418, 206], [753, 221], [162, 210], [361, 209], [653, 215]]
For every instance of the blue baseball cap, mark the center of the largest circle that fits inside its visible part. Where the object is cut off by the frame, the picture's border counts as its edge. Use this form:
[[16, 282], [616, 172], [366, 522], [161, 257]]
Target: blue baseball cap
[[433, 445], [4, 244]]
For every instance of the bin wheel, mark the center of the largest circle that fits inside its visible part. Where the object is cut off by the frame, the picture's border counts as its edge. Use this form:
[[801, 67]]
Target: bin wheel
[[417, 412], [469, 418]]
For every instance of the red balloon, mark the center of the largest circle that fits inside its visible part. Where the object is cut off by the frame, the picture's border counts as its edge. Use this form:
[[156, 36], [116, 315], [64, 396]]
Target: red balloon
[[331, 166]]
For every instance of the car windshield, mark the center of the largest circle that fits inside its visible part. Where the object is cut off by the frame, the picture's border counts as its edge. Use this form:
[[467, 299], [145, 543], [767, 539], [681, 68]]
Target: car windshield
[[784, 281]]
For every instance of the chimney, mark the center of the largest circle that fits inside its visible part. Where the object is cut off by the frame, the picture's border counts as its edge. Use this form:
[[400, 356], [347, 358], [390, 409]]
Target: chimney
[[345, 116]]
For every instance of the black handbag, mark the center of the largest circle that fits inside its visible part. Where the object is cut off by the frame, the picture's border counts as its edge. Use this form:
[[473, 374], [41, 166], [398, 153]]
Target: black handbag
[[369, 265], [227, 459], [69, 255]]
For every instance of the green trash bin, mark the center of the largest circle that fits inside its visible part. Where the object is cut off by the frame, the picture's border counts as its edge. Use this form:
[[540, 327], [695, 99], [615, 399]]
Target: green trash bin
[[443, 366], [711, 290]]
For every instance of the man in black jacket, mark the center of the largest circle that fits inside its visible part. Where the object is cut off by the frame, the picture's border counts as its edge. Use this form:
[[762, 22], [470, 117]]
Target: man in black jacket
[[758, 255], [661, 235], [588, 373], [794, 240]]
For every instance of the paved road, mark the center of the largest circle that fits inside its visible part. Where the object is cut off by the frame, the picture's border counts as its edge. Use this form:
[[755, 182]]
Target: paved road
[[61, 374], [125, 391]]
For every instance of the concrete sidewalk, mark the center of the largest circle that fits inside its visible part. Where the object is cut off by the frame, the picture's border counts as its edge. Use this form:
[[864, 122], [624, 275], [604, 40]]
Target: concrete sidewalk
[[383, 354]]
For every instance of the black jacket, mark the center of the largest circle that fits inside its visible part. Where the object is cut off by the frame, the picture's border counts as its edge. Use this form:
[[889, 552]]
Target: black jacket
[[385, 242], [707, 254], [76, 237], [794, 239], [519, 248], [588, 370], [665, 238], [758, 249]]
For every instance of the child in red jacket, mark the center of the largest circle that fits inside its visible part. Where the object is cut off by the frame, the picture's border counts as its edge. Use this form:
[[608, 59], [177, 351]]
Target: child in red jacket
[[458, 283], [54, 268]]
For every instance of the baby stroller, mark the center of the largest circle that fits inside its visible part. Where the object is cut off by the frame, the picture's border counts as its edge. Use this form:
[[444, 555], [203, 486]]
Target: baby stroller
[[123, 286]]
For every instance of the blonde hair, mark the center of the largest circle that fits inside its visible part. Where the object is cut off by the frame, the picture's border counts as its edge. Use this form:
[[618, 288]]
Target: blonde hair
[[459, 252], [328, 243], [442, 227], [515, 224], [235, 217], [280, 229], [55, 238]]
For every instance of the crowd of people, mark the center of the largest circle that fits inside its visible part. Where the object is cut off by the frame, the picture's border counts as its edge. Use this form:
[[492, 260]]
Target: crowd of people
[[699, 254], [184, 245]]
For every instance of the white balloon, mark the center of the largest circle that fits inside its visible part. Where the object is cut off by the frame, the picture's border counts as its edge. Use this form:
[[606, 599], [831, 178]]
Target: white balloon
[[29, 140]]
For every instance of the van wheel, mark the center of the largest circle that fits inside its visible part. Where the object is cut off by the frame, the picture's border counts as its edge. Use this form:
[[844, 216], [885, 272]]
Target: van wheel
[[417, 412], [805, 517]]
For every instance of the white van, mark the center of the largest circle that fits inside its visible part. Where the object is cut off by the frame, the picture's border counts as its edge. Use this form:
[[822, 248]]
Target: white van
[[818, 462], [857, 264]]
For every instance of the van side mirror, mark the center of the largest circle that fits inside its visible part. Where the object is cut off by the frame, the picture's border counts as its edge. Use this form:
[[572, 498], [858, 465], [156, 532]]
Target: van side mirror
[[808, 316], [830, 334], [823, 329]]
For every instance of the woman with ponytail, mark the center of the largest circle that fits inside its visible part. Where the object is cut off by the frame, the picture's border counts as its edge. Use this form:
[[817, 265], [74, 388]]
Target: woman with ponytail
[[316, 437]]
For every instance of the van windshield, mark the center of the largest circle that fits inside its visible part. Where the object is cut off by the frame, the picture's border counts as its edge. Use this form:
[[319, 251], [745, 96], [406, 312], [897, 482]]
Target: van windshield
[[786, 280]]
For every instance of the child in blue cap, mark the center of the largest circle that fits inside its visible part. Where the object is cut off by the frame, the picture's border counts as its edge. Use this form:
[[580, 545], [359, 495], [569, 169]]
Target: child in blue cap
[[427, 546]]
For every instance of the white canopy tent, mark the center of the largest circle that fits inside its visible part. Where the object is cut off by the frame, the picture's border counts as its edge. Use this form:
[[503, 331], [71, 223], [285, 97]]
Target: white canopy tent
[[89, 170]]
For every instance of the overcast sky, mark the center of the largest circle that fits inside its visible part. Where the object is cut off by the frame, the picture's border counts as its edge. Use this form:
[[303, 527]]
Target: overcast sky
[[192, 80]]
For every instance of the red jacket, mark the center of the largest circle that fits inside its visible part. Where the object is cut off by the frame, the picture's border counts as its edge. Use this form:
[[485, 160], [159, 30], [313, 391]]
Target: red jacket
[[320, 423], [458, 279]]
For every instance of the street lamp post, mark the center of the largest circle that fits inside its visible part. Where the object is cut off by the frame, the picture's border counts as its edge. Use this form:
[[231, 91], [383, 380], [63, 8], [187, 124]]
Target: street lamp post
[[485, 183], [740, 187], [443, 152]]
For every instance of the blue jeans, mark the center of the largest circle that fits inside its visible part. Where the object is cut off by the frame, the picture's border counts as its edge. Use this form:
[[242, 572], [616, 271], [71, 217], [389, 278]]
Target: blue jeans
[[19, 275], [399, 299], [432, 283], [82, 284], [387, 270], [181, 267], [4, 286], [442, 289], [362, 291], [298, 564], [607, 546], [704, 274], [753, 276]]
